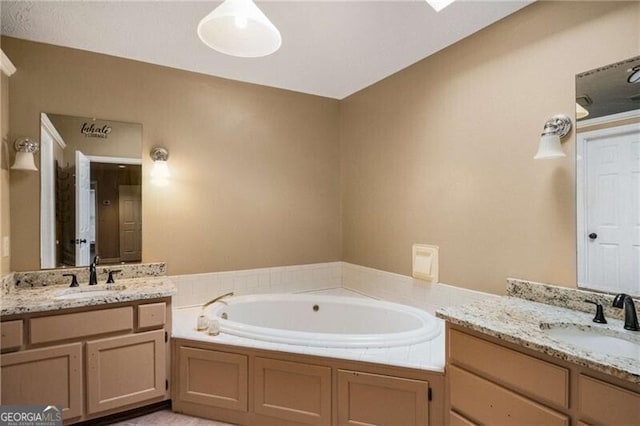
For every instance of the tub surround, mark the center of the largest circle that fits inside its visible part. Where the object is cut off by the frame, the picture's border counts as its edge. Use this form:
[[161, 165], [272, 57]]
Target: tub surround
[[424, 356], [42, 298], [522, 322]]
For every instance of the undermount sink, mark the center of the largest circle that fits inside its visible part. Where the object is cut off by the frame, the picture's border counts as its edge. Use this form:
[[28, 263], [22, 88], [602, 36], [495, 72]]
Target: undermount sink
[[596, 339], [83, 293]]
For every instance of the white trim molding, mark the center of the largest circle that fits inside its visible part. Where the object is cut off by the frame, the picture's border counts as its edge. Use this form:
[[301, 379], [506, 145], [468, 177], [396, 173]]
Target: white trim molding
[[608, 119], [6, 66], [53, 132], [114, 160]]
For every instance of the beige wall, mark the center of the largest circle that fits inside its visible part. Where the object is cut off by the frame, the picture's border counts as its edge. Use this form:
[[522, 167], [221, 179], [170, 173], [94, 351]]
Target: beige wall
[[255, 170], [442, 152], [438, 153], [5, 146]]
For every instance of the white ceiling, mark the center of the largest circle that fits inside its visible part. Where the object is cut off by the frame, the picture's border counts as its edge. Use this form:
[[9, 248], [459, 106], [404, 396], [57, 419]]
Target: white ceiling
[[329, 48]]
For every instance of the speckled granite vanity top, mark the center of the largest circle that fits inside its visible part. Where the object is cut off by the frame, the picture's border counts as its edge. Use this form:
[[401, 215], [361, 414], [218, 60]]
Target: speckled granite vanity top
[[56, 297], [525, 323]]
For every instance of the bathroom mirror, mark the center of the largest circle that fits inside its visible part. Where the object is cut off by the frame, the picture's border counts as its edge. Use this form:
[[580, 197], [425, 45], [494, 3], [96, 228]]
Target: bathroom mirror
[[608, 177], [90, 197]]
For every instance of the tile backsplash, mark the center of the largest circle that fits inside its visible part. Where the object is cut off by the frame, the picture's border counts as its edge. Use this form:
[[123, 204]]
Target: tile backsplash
[[196, 289]]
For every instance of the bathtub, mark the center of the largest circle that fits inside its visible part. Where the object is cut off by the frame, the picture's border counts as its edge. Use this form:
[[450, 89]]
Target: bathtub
[[324, 321]]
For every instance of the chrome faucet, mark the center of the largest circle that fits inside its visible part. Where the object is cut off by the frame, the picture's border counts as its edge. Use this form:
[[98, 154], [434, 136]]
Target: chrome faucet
[[217, 299], [93, 277], [630, 317]]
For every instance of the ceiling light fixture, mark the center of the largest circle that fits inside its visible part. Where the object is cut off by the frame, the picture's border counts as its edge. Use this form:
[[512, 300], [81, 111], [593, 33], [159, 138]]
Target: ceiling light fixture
[[438, 5], [239, 28], [581, 112]]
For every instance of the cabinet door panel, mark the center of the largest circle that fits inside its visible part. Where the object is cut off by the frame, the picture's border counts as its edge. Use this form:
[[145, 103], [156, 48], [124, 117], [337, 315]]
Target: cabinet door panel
[[125, 370], [371, 399], [487, 403], [293, 391], [213, 378], [601, 403], [48, 376]]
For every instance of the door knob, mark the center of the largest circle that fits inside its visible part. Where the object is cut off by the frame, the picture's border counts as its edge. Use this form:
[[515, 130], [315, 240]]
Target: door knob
[[593, 235]]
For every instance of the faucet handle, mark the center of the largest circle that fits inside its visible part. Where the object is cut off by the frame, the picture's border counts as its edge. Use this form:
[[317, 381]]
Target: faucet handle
[[74, 279], [110, 279], [599, 318]]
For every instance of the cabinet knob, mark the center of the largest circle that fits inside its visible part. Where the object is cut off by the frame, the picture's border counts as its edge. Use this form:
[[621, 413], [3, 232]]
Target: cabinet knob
[[593, 235]]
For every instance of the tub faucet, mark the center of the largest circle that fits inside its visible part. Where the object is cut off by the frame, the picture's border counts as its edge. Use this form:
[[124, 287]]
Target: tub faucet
[[93, 277], [630, 317], [217, 299]]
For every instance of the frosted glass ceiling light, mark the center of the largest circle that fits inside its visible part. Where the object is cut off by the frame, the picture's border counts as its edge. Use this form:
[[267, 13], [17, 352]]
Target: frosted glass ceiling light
[[239, 28], [581, 112], [438, 5], [550, 145], [25, 150]]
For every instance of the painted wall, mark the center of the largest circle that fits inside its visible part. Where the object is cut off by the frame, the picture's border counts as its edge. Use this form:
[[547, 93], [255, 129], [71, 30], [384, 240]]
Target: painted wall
[[255, 170], [5, 146], [442, 152]]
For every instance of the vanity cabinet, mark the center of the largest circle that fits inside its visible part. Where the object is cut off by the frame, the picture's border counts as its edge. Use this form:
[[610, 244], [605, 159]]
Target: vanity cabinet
[[91, 361], [493, 382], [268, 388]]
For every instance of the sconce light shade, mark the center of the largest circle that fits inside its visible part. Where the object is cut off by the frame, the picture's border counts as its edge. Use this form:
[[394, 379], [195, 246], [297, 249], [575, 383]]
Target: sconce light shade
[[25, 150], [160, 171], [239, 28], [549, 147], [550, 140]]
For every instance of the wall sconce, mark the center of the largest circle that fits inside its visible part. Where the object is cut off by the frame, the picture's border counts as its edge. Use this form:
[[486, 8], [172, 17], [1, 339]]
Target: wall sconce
[[554, 129], [160, 171], [25, 150]]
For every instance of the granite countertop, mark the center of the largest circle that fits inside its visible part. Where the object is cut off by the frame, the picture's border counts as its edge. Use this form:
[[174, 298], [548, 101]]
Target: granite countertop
[[46, 298], [524, 322]]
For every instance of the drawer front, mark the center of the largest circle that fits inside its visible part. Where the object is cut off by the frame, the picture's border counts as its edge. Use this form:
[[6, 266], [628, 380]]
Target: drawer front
[[293, 391], [601, 403], [485, 402], [152, 315], [11, 335], [213, 378], [542, 380], [81, 324]]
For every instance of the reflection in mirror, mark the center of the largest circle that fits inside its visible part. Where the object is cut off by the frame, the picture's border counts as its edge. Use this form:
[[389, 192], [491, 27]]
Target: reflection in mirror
[[608, 177], [90, 174]]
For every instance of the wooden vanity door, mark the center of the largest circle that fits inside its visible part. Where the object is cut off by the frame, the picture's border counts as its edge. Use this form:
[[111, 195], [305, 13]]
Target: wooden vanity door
[[48, 376], [372, 399], [125, 370]]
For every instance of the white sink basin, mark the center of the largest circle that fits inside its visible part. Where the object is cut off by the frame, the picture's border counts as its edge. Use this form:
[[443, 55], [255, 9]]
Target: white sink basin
[[595, 339], [85, 293]]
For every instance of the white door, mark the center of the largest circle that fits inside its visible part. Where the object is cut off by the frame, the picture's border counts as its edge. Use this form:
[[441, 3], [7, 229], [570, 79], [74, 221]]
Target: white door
[[612, 216], [83, 209]]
